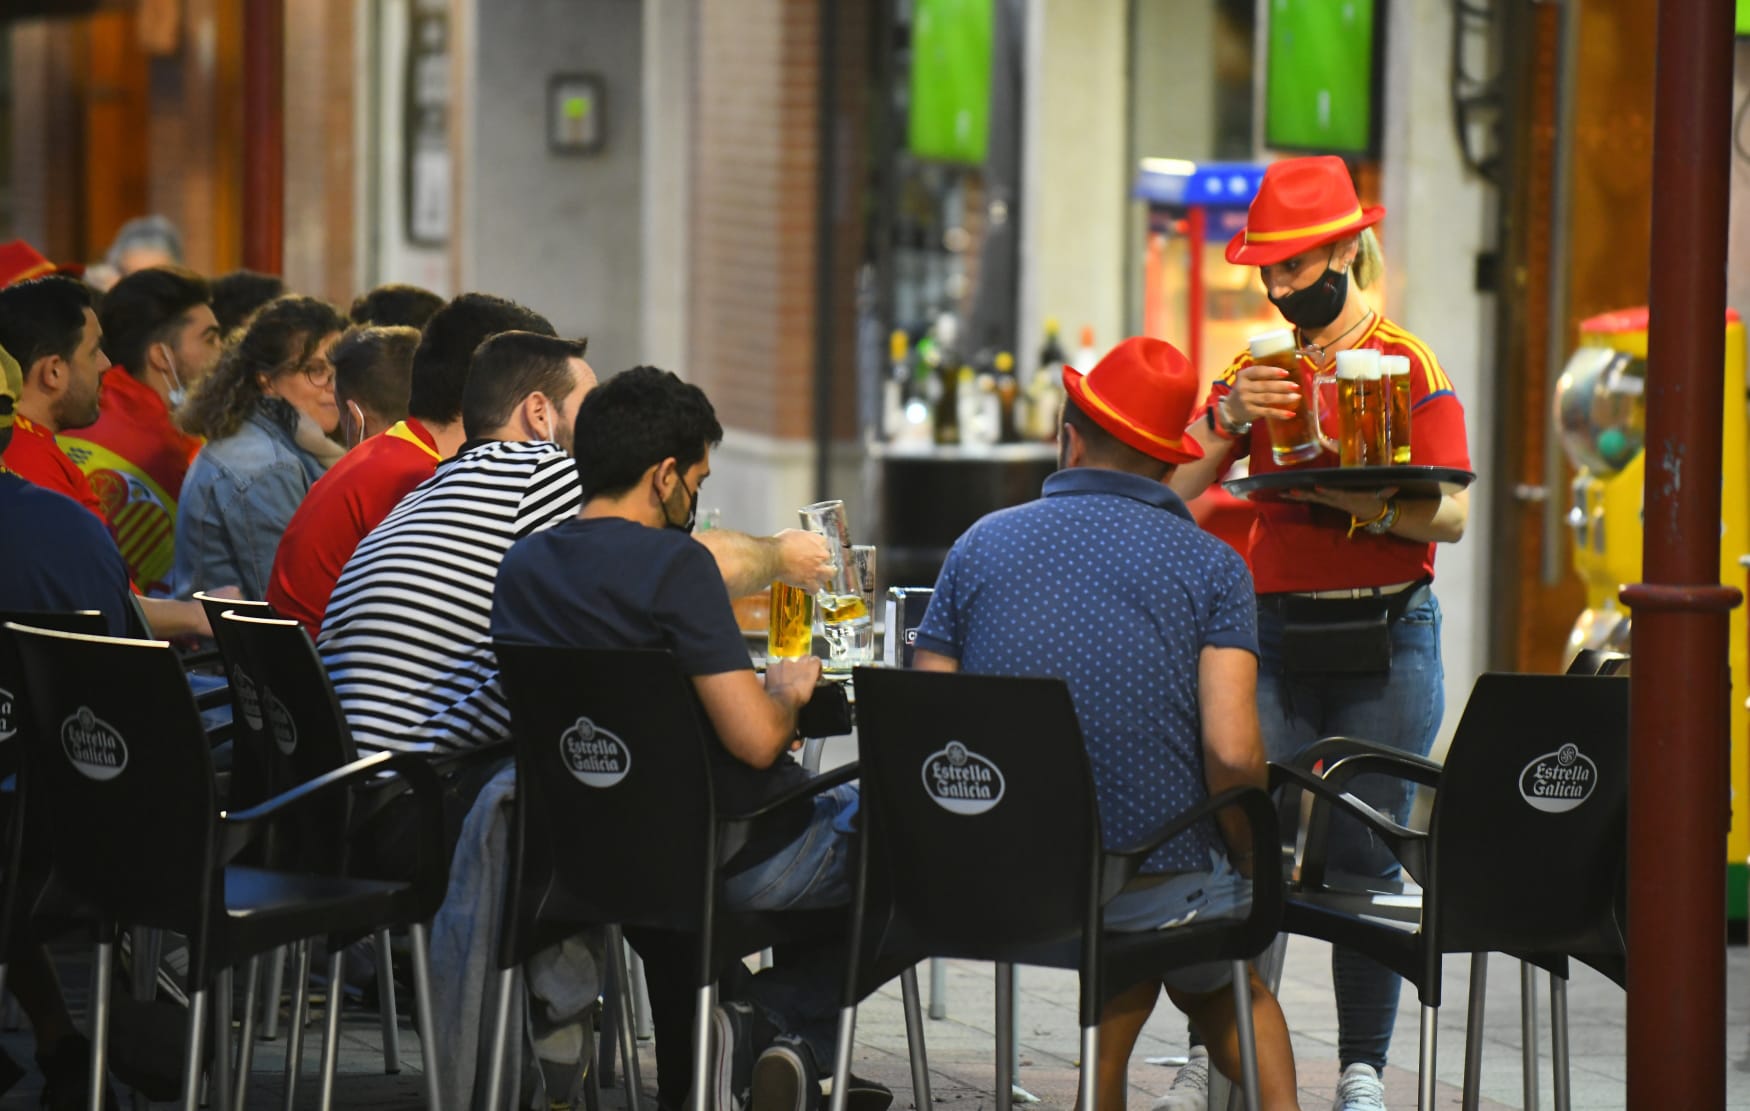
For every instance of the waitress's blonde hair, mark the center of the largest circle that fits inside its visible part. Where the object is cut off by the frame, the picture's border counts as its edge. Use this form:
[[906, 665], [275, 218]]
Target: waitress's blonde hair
[[1369, 261]]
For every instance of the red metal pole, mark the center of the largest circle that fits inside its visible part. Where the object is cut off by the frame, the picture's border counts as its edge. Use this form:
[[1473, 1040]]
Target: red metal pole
[[1196, 227], [264, 141], [1680, 715]]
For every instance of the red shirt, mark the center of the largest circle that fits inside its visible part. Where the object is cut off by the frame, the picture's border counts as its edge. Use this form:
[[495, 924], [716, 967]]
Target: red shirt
[[345, 504], [1299, 547], [34, 456], [135, 460]]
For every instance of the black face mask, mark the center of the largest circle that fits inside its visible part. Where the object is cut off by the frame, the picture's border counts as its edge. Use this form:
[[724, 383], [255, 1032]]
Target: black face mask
[[1318, 304], [692, 517]]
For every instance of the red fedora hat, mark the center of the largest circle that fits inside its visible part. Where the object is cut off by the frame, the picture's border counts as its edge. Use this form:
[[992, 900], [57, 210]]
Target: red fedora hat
[[1301, 203], [19, 260], [1143, 393]]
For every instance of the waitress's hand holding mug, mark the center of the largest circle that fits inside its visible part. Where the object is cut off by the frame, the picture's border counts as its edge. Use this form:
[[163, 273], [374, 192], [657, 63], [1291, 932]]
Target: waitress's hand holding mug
[[1259, 392]]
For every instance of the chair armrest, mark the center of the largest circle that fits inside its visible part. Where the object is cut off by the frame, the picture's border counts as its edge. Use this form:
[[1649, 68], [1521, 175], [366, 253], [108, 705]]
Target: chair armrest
[[1331, 749], [243, 827], [1398, 765], [213, 698], [447, 762], [1408, 845], [734, 831], [1339, 770], [1119, 866]]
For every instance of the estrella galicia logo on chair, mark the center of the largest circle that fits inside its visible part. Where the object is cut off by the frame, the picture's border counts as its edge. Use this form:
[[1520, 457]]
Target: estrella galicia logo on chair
[[93, 747], [594, 755], [280, 723], [961, 781], [1559, 781], [248, 697], [8, 710]]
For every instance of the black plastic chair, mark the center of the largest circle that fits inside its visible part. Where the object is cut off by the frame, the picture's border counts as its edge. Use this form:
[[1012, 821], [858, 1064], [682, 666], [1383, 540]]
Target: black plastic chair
[[995, 770], [299, 734], [120, 767], [648, 794], [1481, 891]]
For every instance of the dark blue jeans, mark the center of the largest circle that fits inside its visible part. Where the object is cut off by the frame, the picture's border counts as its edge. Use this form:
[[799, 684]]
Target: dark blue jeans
[[1402, 709]]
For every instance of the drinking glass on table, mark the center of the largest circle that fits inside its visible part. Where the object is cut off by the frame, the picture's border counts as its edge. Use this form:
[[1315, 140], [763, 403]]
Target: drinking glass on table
[[844, 610]]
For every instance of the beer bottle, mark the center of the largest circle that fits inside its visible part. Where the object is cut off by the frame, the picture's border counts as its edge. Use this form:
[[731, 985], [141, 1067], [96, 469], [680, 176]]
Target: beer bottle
[[895, 387], [948, 379], [1044, 392], [1008, 395]]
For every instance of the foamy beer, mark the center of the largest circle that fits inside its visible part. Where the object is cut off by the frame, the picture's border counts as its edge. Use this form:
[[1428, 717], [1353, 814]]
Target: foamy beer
[[1358, 382], [790, 635], [1397, 376], [1377, 424], [1297, 439]]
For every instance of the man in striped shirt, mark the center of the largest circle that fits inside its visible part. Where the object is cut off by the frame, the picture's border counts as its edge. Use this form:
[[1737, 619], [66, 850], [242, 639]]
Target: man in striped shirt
[[407, 634]]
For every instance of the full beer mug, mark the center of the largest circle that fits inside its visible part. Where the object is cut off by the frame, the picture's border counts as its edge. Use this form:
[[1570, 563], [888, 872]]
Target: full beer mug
[[1360, 388], [790, 634], [1397, 376], [1297, 439]]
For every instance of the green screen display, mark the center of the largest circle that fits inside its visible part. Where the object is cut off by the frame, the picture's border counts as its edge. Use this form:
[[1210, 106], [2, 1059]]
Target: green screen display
[[1744, 17], [949, 118], [1319, 83]]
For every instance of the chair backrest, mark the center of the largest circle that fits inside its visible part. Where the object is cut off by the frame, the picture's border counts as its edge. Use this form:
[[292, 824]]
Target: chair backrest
[[13, 715], [300, 732], [119, 772], [1528, 826], [906, 606], [615, 817], [217, 607], [980, 809], [252, 779], [1597, 661]]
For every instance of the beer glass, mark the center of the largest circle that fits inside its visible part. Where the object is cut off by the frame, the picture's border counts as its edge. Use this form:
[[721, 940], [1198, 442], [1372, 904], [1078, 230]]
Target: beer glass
[[1397, 373], [827, 519], [1377, 426], [1297, 439], [1355, 420], [790, 635], [845, 619]]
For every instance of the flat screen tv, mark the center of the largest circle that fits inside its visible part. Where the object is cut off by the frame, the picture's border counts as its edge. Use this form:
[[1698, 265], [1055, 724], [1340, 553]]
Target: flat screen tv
[[949, 116], [1322, 76]]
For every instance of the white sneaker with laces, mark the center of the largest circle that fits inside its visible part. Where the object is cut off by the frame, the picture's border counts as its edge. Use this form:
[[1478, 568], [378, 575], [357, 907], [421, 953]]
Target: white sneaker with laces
[[1190, 1090], [1359, 1089]]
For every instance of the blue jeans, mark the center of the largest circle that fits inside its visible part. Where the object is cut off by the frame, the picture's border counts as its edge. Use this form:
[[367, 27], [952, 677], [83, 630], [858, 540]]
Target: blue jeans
[[1402, 709], [1165, 900], [800, 992]]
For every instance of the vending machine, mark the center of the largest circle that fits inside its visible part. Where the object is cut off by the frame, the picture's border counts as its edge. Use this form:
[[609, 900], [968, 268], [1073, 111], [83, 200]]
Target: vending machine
[[1600, 414]]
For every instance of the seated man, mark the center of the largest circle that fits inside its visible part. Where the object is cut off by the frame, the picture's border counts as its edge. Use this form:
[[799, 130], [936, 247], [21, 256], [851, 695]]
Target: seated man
[[360, 490], [395, 305], [1166, 694], [627, 574]]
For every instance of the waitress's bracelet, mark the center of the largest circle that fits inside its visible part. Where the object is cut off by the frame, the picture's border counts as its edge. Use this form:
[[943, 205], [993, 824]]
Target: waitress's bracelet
[[1377, 525]]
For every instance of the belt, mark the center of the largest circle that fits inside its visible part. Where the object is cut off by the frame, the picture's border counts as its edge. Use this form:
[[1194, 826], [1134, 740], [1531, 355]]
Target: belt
[[1357, 591]]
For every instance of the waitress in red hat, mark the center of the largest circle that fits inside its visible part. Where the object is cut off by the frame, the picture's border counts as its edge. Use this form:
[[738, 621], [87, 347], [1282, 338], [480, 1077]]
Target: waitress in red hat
[[1348, 625]]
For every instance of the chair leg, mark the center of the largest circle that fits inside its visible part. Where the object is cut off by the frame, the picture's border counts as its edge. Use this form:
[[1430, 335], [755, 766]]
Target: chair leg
[[1528, 1025], [938, 989], [1473, 1030], [500, 1037], [705, 1001], [331, 1031], [1242, 974], [102, 973], [386, 1006], [422, 1016], [1425, 1066], [644, 1025], [270, 993], [628, 1024], [246, 1035], [1089, 1078], [914, 1039], [191, 1064], [219, 1081], [295, 1024], [1558, 1038], [841, 1066], [1005, 1036]]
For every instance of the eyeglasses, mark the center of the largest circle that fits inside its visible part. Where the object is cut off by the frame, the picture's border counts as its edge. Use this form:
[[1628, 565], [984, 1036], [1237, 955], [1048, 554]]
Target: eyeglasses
[[319, 371]]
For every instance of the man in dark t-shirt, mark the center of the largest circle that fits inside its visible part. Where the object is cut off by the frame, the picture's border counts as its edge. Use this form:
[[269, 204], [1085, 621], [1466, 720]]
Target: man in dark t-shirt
[[627, 573]]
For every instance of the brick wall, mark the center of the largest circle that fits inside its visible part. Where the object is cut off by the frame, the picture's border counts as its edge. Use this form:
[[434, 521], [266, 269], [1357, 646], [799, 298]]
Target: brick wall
[[755, 169]]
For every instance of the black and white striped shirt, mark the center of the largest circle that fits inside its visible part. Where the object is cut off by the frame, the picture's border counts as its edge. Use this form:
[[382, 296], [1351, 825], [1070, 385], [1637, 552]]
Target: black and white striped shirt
[[407, 636]]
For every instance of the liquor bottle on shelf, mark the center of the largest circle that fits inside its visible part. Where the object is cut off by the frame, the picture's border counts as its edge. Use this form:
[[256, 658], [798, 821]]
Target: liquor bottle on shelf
[[1087, 354], [1008, 396], [948, 369], [1044, 393], [895, 387]]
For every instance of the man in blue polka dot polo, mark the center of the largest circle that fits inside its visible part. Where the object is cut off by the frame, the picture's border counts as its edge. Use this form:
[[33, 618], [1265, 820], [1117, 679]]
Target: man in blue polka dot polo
[[1107, 583]]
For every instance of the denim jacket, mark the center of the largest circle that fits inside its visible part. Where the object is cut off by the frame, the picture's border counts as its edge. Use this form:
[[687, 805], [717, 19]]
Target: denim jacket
[[239, 495]]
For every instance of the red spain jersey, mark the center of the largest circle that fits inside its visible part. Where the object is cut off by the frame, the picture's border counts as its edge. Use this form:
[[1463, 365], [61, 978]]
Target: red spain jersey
[[135, 459], [1296, 546], [34, 456], [345, 504]]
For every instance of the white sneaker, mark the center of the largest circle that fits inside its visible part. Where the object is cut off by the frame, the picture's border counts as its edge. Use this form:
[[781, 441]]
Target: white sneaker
[[1190, 1090], [1359, 1089]]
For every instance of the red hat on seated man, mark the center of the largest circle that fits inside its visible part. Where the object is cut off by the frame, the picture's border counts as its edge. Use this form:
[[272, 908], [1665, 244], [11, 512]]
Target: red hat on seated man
[[1143, 392], [19, 261]]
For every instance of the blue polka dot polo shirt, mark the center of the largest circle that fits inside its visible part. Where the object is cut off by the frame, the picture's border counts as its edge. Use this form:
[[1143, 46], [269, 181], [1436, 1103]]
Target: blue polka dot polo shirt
[[1107, 583]]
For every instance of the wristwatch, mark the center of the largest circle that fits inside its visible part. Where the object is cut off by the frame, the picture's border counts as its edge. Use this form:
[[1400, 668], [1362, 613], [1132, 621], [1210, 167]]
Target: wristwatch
[[1218, 424], [1386, 519]]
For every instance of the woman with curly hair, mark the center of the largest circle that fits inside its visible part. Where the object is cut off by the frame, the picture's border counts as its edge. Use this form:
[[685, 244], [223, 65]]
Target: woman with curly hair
[[266, 412]]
